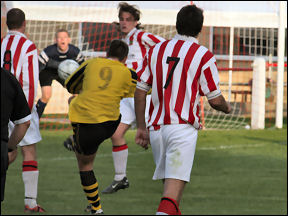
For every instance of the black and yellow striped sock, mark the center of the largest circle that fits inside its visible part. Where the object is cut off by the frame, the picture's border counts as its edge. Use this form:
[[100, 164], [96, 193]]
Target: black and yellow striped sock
[[90, 187]]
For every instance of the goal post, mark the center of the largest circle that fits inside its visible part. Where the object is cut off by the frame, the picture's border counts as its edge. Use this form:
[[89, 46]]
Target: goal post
[[258, 94]]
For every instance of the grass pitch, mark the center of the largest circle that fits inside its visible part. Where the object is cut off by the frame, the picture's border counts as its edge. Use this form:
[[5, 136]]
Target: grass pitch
[[235, 172]]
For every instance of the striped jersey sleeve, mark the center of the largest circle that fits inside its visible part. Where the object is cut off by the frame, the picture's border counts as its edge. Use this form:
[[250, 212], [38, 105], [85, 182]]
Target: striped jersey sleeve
[[23, 63], [74, 82], [139, 43], [179, 72]]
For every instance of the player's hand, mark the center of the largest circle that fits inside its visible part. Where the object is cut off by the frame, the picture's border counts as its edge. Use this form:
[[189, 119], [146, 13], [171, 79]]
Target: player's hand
[[142, 138]]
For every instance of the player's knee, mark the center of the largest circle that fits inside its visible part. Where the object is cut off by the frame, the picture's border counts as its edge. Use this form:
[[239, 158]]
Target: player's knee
[[117, 137], [29, 152]]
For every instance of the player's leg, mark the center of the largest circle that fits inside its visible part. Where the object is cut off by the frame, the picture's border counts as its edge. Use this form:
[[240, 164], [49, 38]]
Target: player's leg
[[173, 190], [85, 151], [30, 172], [88, 137], [88, 181], [174, 161], [120, 147]]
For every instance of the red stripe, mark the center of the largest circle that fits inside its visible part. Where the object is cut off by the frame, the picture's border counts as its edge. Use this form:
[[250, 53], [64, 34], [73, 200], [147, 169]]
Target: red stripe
[[151, 108], [10, 40], [134, 65], [149, 81], [17, 53], [140, 72], [153, 38], [31, 82], [182, 87], [207, 56], [209, 78], [8, 47], [131, 37], [167, 92], [31, 48], [119, 148], [159, 79], [142, 47], [21, 78], [200, 91], [194, 89]]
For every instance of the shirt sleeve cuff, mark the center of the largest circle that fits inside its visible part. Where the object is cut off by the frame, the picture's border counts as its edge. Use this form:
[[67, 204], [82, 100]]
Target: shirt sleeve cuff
[[25, 119], [213, 94], [143, 86]]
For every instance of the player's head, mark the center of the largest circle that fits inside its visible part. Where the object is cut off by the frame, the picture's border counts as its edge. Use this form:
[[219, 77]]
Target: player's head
[[128, 16], [16, 19], [62, 39], [189, 21], [118, 49]]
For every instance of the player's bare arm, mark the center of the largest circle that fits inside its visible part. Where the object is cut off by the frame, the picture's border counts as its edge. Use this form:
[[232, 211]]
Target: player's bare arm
[[141, 137], [219, 103]]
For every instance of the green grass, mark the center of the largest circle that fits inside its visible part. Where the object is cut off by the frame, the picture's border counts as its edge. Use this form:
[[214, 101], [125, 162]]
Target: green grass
[[235, 172]]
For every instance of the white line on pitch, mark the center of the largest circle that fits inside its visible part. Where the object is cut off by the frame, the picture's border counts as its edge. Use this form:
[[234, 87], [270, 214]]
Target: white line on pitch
[[99, 155]]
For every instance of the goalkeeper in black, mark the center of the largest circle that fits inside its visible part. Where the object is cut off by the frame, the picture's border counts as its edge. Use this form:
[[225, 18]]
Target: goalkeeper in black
[[49, 60], [95, 112]]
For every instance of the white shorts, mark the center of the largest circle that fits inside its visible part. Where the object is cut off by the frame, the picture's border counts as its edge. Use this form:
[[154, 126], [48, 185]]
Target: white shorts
[[128, 112], [173, 148], [32, 135]]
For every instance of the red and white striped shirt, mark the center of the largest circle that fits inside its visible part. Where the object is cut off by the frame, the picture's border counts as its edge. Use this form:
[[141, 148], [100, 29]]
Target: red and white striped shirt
[[23, 62], [139, 42], [179, 72]]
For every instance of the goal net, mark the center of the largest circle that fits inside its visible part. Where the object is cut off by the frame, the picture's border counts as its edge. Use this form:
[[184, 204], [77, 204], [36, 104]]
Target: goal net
[[91, 28]]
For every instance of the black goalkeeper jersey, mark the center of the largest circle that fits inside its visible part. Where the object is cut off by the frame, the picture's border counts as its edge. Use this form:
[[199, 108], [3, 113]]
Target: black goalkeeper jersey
[[52, 53]]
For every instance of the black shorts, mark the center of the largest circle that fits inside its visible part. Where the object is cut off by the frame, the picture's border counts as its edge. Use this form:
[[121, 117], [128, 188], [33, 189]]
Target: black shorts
[[88, 137], [47, 75]]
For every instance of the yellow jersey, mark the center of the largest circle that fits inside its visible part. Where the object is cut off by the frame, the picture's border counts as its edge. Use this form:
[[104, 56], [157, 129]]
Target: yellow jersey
[[100, 84]]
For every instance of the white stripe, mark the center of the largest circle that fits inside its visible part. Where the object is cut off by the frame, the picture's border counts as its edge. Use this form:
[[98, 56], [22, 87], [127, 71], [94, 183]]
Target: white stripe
[[25, 119], [44, 56]]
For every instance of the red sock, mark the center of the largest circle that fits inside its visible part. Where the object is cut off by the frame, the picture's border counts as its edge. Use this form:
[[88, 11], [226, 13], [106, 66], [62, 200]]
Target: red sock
[[169, 206]]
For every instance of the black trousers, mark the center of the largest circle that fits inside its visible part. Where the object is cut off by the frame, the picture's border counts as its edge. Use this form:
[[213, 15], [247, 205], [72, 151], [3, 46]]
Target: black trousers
[[4, 166]]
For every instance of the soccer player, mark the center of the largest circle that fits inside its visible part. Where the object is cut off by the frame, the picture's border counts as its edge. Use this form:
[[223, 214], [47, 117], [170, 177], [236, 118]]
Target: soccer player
[[94, 113], [179, 71], [49, 60], [139, 42], [15, 107], [19, 56]]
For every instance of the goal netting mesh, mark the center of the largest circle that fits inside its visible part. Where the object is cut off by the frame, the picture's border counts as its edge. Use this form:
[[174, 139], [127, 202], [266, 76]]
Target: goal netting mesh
[[91, 28]]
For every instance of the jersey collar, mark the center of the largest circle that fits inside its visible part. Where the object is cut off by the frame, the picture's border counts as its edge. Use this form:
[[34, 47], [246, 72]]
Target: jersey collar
[[186, 38], [130, 33], [16, 33]]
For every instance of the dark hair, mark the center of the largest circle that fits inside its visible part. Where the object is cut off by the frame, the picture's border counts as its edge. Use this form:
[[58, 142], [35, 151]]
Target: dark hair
[[190, 21], [61, 30], [118, 49], [15, 18], [132, 9]]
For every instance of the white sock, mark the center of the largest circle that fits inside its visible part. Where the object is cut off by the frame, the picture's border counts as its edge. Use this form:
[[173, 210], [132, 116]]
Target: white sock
[[30, 179], [120, 156]]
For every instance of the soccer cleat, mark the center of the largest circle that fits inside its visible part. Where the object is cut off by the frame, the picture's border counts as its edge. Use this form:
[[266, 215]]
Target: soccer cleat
[[117, 185], [68, 143], [97, 212], [37, 208], [88, 208]]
